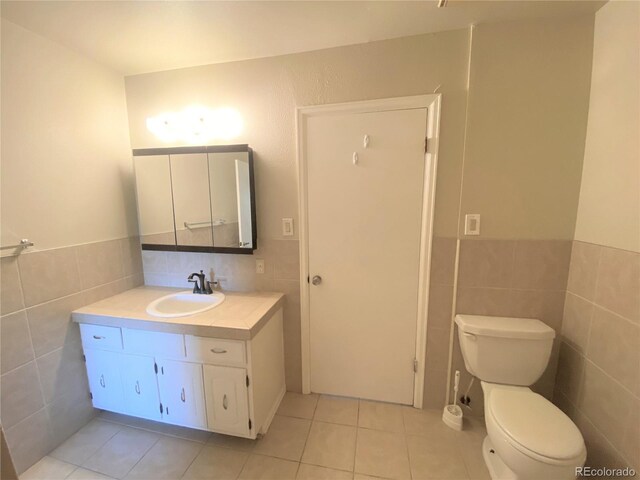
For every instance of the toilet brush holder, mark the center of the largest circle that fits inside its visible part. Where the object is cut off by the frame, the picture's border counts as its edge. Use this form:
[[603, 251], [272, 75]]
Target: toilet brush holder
[[452, 416]]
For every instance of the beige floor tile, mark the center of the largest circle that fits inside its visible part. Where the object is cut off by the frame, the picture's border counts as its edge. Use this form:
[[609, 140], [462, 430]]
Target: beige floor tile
[[435, 458], [381, 416], [337, 410], [298, 405], [86, 442], [285, 439], [116, 457], [313, 472], [168, 459], [259, 467], [216, 463], [331, 445], [235, 443], [382, 454], [84, 474], [48, 468], [158, 427], [471, 451], [426, 423]]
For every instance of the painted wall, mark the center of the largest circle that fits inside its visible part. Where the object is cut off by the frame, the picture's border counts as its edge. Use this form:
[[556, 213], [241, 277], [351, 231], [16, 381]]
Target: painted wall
[[528, 102], [67, 186], [66, 162], [598, 383], [609, 209]]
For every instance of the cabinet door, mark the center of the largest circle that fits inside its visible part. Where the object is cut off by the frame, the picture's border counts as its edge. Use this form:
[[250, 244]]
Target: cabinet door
[[181, 393], [227, 399], [103, 370], [140, 386]]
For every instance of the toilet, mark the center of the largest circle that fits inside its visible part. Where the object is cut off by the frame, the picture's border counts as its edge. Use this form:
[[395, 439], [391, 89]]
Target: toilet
[[528, 438]]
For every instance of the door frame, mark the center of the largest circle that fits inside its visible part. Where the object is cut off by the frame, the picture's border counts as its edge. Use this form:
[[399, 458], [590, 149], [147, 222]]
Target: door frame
[[432, 103]]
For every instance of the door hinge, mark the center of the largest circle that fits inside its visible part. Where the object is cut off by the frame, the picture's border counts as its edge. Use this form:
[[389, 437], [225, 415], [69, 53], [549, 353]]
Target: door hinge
[[249, 424], [415, 365], [426, 144], [247, 380], [307, 278], [84, 358], [155, 367], [91, 395], [161, 409]]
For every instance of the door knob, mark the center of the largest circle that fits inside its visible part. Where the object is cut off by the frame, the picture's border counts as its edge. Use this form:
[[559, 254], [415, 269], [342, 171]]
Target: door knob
[[316, 280]]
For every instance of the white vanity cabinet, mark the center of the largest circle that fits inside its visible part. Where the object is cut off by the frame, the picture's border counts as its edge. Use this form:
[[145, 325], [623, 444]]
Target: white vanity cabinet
[[224, 385]]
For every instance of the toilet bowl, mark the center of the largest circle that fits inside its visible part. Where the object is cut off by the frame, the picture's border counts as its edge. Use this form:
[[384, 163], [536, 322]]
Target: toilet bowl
[[529, 435], [528, 438]]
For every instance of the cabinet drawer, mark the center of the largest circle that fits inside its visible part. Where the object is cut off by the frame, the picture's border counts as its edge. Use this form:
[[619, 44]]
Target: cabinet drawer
[[167, 345], [215, 350], [99, 336]]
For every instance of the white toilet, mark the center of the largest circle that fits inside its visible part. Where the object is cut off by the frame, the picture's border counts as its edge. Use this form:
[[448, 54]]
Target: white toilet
[[528, 437]]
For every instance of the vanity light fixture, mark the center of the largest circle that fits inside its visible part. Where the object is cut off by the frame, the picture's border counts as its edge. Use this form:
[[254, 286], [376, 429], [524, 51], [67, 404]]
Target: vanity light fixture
[[196, 125]]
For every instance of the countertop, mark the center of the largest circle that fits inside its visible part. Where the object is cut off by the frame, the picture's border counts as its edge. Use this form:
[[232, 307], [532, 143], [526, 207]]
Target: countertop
[[240, 316]]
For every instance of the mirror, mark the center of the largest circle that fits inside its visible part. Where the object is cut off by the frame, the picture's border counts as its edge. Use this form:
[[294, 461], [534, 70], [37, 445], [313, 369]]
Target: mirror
[[230, 199], [155, 207], [196, 199], [191, 204]]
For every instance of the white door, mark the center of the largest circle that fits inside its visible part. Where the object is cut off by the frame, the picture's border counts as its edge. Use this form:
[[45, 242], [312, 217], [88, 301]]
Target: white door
[[227, 399], [105, 383], [140, 387], [180, 385], [364, 228]]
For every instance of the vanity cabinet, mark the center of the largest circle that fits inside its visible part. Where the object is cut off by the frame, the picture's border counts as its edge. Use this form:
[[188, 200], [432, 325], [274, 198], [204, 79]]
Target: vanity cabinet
[[221, 385], [181, 392], [227, 405], [105, 382]]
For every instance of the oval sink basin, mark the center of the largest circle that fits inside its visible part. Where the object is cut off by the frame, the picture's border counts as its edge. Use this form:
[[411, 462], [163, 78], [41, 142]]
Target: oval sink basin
[[181, 304]]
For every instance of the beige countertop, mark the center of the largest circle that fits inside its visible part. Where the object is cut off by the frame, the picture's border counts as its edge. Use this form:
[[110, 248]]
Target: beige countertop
[[240, 316]]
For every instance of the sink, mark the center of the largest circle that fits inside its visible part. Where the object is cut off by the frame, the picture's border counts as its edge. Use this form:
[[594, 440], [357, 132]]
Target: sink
[[181, 304]]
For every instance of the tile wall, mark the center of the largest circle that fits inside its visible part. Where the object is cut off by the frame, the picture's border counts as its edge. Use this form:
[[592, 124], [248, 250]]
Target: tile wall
[[513, 278], [44, 391], [238, 273], [598, 383]]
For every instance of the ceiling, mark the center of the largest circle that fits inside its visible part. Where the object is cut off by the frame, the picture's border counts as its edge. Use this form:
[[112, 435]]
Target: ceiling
[[135, 37]]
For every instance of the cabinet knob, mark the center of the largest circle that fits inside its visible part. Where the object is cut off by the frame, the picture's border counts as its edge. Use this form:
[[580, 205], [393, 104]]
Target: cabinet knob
[[102, 383], [137, 387], [316, 280]]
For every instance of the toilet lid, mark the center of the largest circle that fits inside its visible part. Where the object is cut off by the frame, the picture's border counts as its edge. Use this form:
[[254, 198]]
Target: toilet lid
[[536, 424]]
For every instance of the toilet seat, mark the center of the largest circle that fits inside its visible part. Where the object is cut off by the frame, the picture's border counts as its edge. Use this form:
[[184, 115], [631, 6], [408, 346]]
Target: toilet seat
[[535, 427]]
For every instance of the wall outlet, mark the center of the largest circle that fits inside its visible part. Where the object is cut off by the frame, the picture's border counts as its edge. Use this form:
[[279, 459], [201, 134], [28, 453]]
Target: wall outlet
[[287, 227], [260, 266], [472, 224]]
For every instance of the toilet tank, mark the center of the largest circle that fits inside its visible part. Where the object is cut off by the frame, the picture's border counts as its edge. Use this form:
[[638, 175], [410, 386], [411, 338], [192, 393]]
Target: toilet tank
[[511, 351]]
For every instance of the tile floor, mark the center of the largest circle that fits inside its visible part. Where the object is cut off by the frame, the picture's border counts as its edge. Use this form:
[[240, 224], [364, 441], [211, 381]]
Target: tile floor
[[311, 437]]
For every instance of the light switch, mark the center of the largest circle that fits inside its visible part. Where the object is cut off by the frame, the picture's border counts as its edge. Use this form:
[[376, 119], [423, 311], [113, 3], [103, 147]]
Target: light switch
[[287, 227], [472, 224], [259, 266]]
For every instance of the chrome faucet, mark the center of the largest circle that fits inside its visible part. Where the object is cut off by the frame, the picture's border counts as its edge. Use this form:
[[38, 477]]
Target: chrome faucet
[[202, 287]]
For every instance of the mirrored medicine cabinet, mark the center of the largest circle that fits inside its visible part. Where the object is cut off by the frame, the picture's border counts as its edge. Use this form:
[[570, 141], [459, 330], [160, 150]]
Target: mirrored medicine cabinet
[[196, 199]]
